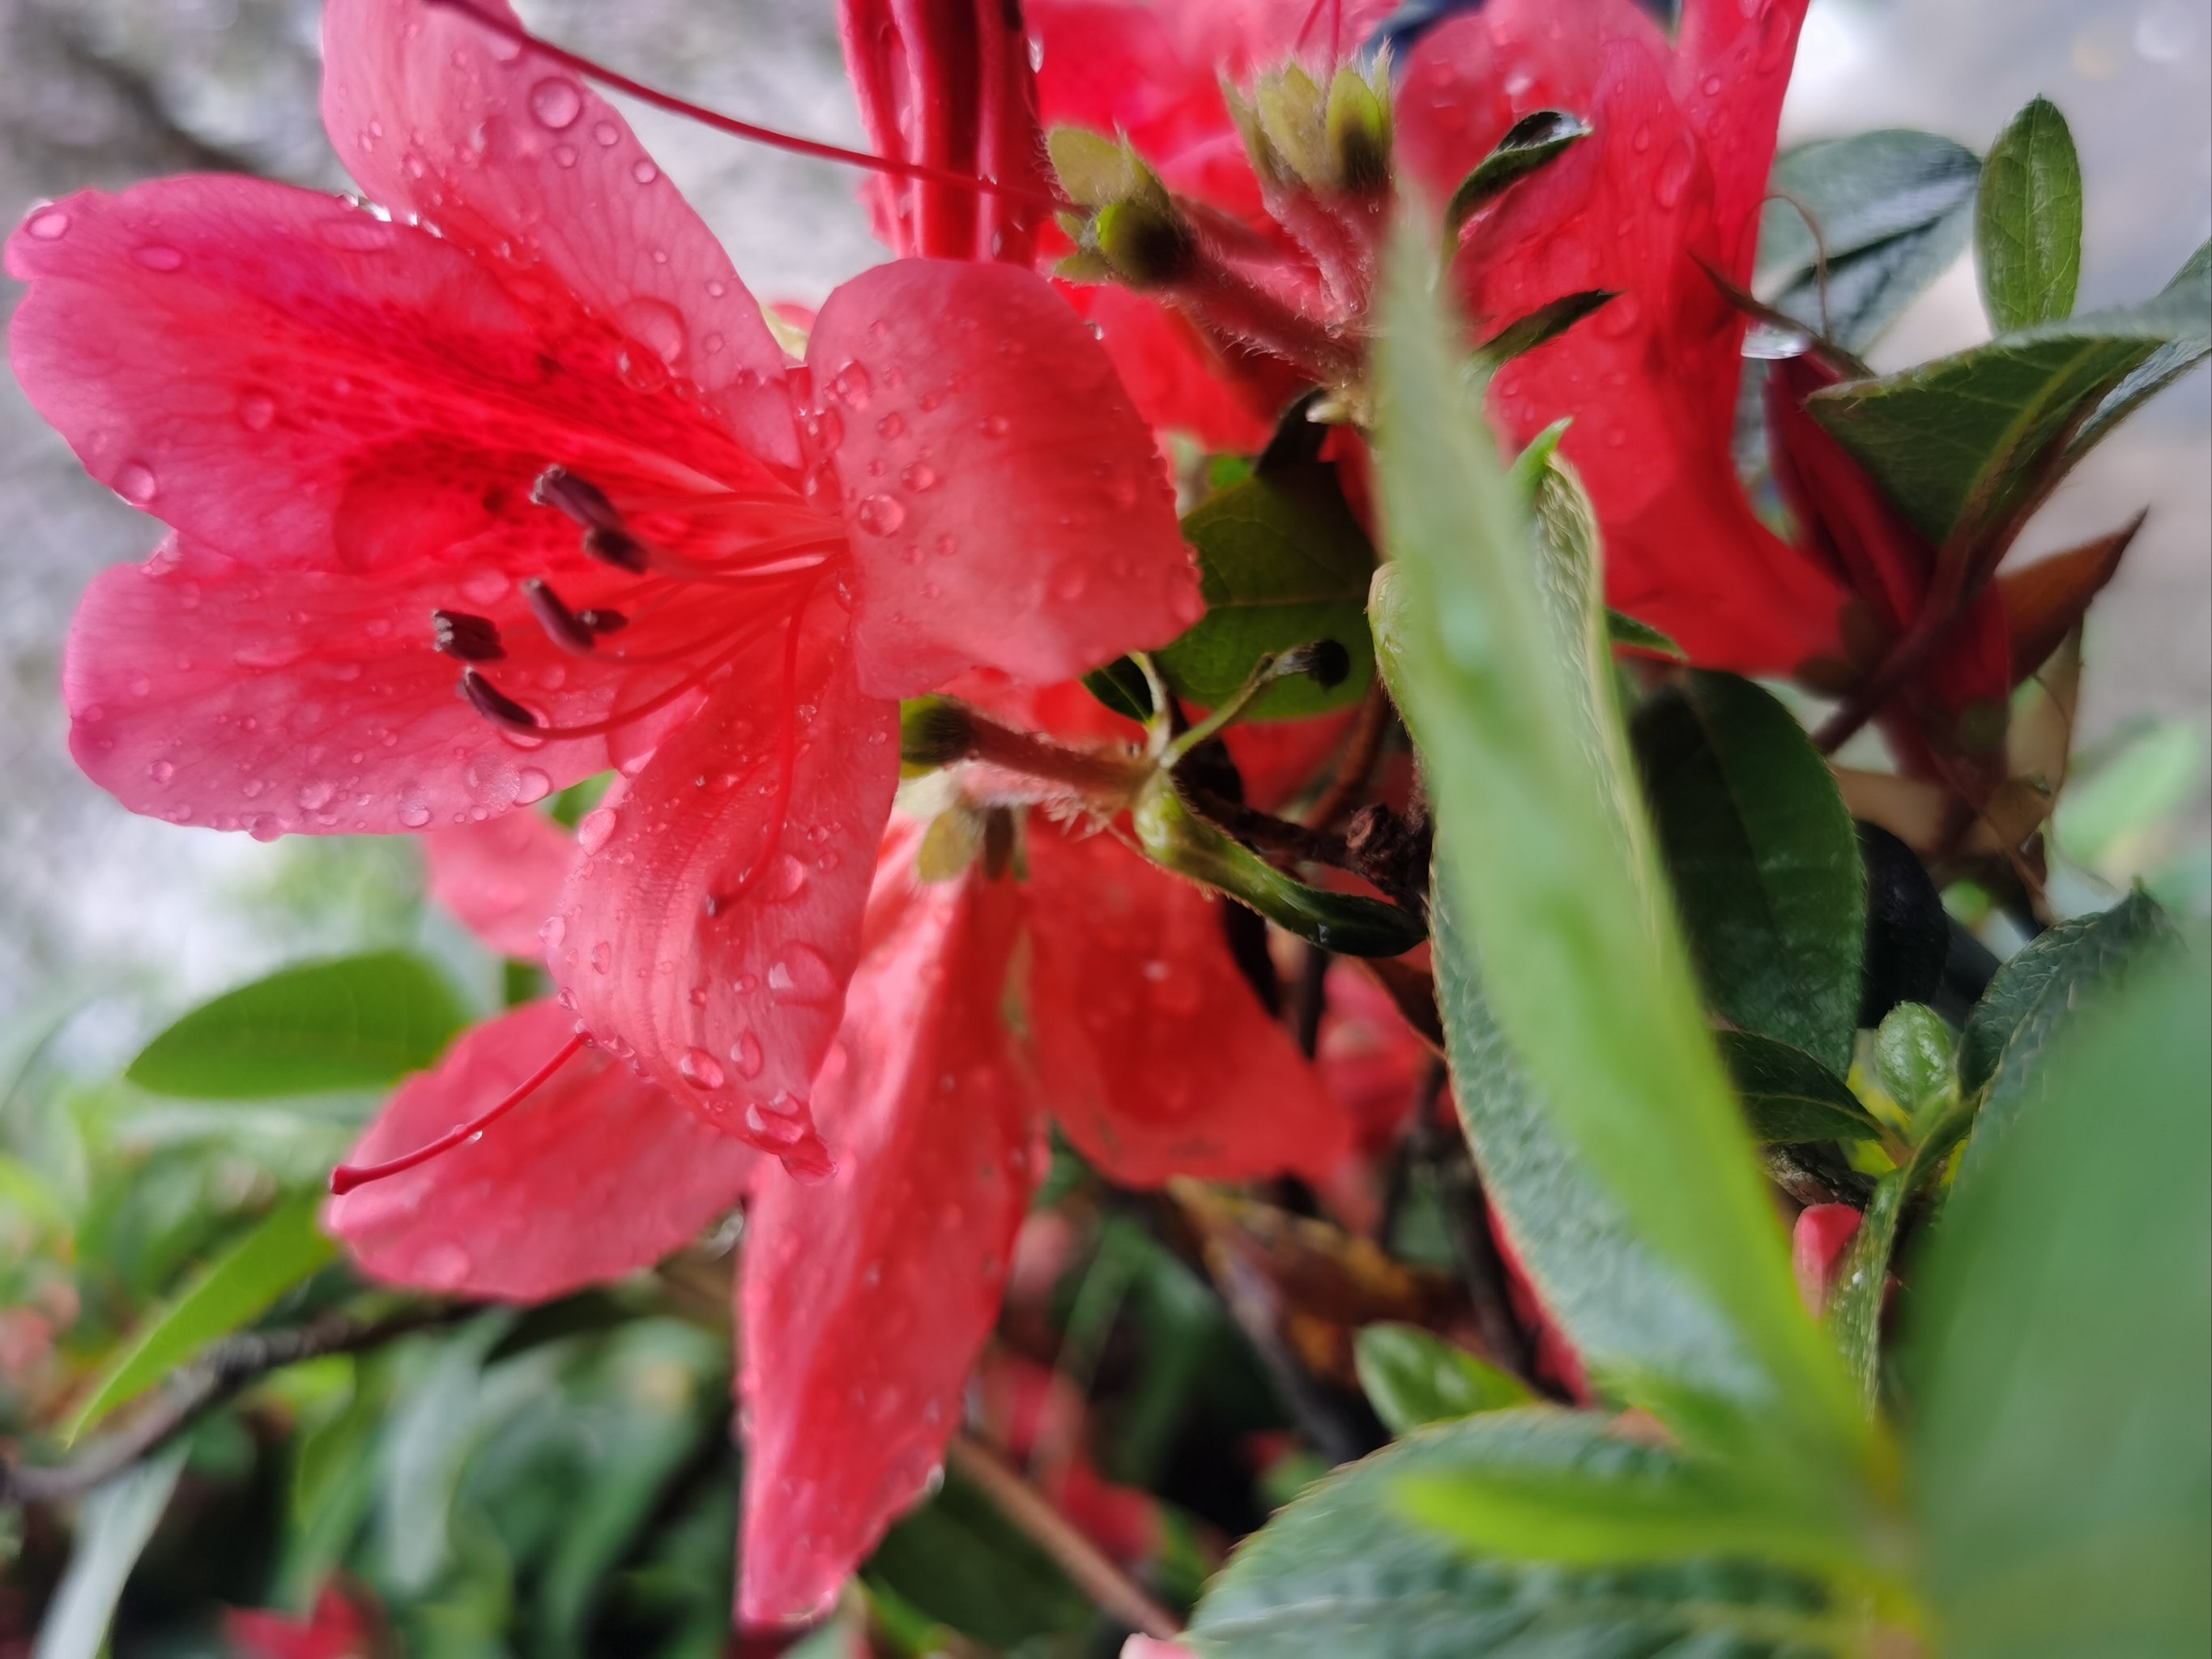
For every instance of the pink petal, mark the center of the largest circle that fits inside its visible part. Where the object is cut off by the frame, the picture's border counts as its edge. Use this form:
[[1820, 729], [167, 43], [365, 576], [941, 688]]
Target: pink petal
[[297, 382], [1155, 1055], [709, 928], [1731, 67], [517, 162], [1178, 382], [204, 691], [1651, 380], [1008, 507], [1817, 1243], [867, 1296], [597, 1173], [502, 879]]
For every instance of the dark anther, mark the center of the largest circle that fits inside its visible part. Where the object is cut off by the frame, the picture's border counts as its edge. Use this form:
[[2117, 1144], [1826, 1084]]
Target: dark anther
[[601, 620], [615, 547], [493, 703], [562, 625], [471, 638], [578, 498], [1324, 662]]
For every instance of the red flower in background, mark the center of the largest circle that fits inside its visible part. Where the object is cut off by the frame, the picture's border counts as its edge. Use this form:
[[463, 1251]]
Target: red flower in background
[[1668, 187], [551, 451]]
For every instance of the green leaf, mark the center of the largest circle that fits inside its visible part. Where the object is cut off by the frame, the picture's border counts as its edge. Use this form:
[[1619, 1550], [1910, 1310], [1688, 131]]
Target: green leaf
[[1894, 209], [1968, 440], [1346, 1572], [1121, 686], [2061, 1347], [2027, 228], [1595, 1098], [357, 1023], [1764, 859], [1533, 142], [958, 1560], [2036, 994], [1789, 1097], [1541, 326], [1914, 1062], [284, 1248], [112, 1533], [1625, 630], [1283, 562], [1412, 1377]]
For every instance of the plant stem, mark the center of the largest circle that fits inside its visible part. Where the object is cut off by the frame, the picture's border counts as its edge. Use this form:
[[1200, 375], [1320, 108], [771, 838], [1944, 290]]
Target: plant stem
[[1098, 1575]]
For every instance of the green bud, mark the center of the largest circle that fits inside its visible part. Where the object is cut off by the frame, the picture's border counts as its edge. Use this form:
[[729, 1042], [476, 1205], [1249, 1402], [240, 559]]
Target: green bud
[[1293, 115], [934, 731], [1176, 838], [1094, 170], [1357, 127], [1148, 243]]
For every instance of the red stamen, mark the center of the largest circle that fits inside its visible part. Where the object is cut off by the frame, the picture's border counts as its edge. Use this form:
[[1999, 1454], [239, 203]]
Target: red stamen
[[885, 164], [347, 1176]]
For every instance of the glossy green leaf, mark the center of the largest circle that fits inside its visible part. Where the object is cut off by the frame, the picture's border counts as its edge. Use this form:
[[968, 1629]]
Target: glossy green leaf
[[2061, 1344], [284, 1248], [1894, 208], [1347, 1572], [2036, 994], [1789, 1097], [1596, 1099], [1914, 1060], [1121, 686], [1541, 326], [1972, 438], [357, 1023], [1533, 142], [1412, 1376], [1282, 562], [2027, 226], [1764, 860]]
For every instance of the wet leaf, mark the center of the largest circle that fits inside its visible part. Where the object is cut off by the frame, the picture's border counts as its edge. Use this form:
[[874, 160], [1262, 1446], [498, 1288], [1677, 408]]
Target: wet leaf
[[1412, 1377], [2028, 222]]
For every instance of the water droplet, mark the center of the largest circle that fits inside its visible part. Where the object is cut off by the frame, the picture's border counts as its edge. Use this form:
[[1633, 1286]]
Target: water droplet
[[945, 546], [659, 325], [565, 154], [256, 411], [531, 785], [48, 224], [594, 827], [879, 516], [919, 477], [603, 957], [136, 483], [485, 587], [159, 256], [783, 880], [1710, 86], [801, 976], [162, 771], [853, 387], [606, 134], [413, 814], [553, 930], [643, 171], [891, 425], [316, 795], [1070, 582], [700, 1067], [745, 1055], [556, 101], [1674, 176]]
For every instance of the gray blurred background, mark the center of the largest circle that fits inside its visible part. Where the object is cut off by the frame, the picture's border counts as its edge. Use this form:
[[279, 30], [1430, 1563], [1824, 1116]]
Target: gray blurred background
[[132, 913]]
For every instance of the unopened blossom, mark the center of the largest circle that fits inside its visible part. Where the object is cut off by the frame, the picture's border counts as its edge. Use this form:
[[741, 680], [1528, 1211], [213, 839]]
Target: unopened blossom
[[481, 489]]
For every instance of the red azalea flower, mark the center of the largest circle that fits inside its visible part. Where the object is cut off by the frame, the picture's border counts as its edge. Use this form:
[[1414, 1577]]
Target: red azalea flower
[[524, 429], [1668, 187], [335, 1630], [865, 1298]]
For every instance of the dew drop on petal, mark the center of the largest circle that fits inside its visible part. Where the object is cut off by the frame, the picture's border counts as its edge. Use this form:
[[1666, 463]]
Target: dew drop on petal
[[891, 425], [413, 814], [136, 483], [801, 976], [556, 103], [594, 827], [853, 385], [996, 426], [47, 224], [256, 411], [745, 1055], [643, 171], [700, 1068], [879, 516], [162, 771], [919, 477], [530, 786], [553, 930], [158, 255]]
